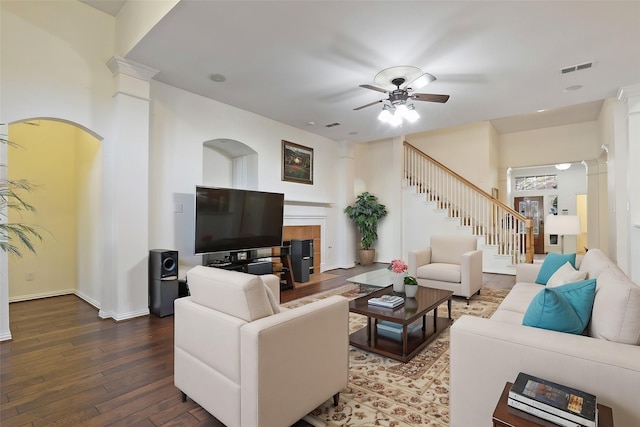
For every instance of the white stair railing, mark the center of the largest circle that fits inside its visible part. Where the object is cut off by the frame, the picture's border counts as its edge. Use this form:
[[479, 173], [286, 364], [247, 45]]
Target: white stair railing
[[501, 226]]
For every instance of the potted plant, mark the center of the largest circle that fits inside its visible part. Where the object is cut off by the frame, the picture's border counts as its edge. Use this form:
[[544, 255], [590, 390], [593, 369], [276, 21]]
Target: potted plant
[[400, 268], [365, 213], [410, 286], [11, 198]]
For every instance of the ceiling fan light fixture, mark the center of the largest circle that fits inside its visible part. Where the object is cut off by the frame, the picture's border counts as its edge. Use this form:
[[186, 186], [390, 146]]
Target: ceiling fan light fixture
[[395, 121], [412, 115], [401, 111], [385, 115]]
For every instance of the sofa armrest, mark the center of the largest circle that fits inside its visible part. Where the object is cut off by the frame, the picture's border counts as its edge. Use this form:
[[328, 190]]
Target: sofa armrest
[[418, 258], [471, 272], [485, 354], [527, 272], [294, 361]]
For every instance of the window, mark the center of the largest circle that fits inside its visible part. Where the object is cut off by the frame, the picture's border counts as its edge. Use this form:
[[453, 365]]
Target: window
[[539, 182]]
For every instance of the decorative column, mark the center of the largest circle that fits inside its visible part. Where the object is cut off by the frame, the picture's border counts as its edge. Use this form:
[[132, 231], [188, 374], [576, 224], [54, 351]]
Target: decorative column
[[630, 95], [126, 193], [345, 236]]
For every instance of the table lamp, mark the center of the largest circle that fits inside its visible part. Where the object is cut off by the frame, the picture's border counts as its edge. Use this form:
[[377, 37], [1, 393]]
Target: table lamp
[[562, 225]]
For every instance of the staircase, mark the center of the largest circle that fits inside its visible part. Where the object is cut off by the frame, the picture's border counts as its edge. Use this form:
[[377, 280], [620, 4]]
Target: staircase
[[436, 200]]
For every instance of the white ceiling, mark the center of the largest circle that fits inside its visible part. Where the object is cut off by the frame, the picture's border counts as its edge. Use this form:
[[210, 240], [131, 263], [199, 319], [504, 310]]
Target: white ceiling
[[302, 61]]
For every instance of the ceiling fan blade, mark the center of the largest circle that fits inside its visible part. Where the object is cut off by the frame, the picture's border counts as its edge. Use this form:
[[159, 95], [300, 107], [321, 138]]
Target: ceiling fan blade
[[368, 105], [374, 88], [429, 97], [421, 81]]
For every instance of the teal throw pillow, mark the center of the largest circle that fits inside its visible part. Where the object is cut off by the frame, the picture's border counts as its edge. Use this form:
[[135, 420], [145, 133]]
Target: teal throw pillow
[[553, 262], [566, 308]]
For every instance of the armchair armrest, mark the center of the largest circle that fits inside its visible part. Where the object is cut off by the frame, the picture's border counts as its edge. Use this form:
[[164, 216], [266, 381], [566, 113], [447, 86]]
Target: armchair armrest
[[418, 258], [527, 272], [296, 359], [471, 272]]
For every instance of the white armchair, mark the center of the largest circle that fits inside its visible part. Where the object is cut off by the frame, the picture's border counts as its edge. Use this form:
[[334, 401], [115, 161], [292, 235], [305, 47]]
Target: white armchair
[[247, 361], [451, 262]]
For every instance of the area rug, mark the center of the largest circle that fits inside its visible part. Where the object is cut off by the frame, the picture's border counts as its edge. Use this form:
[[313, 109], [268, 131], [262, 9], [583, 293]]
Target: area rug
[[385, 392]]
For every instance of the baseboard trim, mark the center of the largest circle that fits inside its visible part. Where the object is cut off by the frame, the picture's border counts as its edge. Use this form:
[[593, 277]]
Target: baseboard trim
[[42, 295]]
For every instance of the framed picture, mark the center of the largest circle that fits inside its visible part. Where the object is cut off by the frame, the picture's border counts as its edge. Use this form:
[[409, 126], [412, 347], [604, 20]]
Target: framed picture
[[297, 163]]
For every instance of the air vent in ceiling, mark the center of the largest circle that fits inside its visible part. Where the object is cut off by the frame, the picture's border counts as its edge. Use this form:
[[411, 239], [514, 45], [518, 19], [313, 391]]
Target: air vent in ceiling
[[578, 67], [330, 125]]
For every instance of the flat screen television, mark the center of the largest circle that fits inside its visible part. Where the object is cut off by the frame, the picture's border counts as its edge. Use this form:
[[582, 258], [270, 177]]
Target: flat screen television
[[228, 219]]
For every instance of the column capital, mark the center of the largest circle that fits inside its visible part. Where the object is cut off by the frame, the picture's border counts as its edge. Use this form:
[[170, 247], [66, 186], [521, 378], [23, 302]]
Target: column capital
[[626, 92], [119, 65]]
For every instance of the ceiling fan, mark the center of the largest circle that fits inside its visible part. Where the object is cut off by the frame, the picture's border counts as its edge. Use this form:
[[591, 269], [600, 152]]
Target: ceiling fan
[[405, 79]]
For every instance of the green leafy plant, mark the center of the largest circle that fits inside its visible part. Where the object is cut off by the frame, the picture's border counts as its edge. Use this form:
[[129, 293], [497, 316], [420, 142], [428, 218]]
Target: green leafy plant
[[365, 213], [12, 197], [410, 280]]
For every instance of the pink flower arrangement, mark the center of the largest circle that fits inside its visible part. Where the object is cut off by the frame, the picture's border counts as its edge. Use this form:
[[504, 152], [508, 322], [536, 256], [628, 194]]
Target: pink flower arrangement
[[398, 266]]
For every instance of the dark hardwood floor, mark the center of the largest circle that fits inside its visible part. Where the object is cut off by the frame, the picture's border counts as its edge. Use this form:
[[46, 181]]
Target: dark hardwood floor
[[66, 366]]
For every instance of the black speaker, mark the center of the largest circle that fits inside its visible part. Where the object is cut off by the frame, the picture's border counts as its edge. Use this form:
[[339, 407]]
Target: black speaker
[[163, 281], [163, 263]]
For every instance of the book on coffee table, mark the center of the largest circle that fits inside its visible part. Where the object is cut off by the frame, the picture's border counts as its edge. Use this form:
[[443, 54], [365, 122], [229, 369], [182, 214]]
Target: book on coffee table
[[540, 397], [389, 301]]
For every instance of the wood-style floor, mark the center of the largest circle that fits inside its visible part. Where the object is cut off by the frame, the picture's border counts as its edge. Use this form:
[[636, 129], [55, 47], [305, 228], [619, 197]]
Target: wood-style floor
[[65, 366]]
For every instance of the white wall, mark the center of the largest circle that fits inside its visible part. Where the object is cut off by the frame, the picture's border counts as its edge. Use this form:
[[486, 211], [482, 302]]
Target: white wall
[[468, 150], [176, 164], [53, 65], [547, 146]]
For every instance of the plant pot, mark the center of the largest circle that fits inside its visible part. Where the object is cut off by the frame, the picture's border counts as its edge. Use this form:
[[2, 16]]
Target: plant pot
[[398, 282], [410, 290], [367, 256]]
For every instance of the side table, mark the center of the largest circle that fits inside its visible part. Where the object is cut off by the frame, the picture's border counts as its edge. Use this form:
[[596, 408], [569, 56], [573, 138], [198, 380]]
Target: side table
[[506, 416]]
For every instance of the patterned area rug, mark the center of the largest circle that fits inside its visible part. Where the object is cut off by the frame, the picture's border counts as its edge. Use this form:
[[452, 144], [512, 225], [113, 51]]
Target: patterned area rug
[[385, 392]]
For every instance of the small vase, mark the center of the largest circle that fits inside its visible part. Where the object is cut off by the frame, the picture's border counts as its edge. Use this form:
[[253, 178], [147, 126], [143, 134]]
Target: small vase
[[410, 290], [398, 282]]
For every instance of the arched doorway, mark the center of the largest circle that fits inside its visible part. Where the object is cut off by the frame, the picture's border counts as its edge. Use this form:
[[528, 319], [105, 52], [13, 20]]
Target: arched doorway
[[63, 161]]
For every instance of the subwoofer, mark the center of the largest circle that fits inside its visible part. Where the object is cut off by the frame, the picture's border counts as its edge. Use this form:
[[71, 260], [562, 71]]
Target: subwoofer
[[163, 263], [163, 281]]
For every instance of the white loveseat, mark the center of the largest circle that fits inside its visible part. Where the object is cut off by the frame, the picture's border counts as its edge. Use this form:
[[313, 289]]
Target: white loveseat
[[605, 361], [251, 363]]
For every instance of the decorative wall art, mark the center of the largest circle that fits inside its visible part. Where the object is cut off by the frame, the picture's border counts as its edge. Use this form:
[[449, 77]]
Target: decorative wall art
[[297, 163]]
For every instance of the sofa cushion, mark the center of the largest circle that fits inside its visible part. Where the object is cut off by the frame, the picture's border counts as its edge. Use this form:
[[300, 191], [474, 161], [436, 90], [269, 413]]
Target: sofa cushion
[[566, 274], [565, 308], [440, 272], [552, 262], [593, 262], [519, 297], [616, 308], [237, 294]]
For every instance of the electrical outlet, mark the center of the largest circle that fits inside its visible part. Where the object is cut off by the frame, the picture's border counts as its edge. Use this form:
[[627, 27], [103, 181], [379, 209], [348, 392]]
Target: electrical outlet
[[29, 276]]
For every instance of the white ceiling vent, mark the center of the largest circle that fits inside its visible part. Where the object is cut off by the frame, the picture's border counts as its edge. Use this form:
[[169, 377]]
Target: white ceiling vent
[[579, 67]]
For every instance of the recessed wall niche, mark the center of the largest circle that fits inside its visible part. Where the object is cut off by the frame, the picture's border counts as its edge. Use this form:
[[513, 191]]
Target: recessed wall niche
[[229, 163]]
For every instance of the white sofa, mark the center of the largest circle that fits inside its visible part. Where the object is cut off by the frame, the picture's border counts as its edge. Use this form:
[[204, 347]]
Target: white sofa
[[605, 360], [453, 263], [251, 363]]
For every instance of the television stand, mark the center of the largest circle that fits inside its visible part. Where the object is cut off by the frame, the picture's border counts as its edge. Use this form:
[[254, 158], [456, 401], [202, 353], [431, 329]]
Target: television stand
[[245, 266]]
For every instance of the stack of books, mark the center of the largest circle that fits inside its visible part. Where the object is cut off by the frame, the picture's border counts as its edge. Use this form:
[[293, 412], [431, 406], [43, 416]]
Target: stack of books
[[389, 301], [553, 402], [394, 330]]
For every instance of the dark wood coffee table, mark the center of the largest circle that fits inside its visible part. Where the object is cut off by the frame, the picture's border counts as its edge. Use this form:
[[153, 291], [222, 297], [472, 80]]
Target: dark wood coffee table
[[408, 343]]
